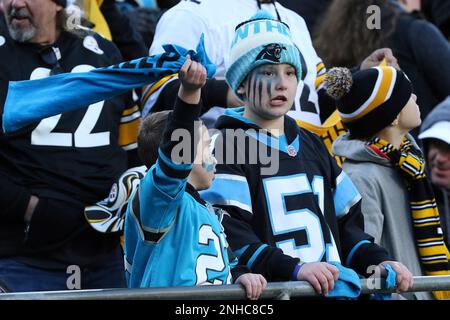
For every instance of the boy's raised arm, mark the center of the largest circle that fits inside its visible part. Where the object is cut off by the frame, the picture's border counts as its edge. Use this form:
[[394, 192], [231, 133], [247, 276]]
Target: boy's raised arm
[[163, 186]]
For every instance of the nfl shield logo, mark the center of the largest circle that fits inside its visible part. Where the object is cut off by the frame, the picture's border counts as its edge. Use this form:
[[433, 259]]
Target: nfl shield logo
[[291, 151]]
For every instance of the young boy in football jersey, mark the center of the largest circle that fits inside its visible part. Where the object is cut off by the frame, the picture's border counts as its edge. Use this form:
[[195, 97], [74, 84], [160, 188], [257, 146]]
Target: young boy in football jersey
[[386, 164], [294, 223], [172, 236]]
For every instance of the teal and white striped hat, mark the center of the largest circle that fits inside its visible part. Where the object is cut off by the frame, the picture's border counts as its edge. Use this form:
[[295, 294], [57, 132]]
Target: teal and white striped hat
[[260, 40]]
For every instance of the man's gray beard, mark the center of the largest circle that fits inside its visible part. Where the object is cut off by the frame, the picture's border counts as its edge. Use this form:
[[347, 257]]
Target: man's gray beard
[[20, 35]]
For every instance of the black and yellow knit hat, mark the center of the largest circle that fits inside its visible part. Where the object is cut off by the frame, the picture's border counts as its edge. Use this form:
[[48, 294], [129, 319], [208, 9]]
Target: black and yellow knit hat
[[370, 99]]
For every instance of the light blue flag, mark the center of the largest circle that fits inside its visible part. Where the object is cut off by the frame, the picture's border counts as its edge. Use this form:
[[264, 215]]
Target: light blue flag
[[32, 100]]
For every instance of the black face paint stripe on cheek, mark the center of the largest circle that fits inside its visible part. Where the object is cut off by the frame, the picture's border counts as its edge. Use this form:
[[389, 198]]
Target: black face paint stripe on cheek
[[255, 80], [269, 88], [260, 87]]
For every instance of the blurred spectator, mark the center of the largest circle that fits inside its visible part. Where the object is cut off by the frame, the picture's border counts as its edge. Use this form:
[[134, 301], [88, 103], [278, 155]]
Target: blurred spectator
[[105, 18], [145, 15], [411, 6], [438, 12], [52, 169], [166, 4], [124, 31], [435, 135], [422, 52], [145, 20], [310, 10]]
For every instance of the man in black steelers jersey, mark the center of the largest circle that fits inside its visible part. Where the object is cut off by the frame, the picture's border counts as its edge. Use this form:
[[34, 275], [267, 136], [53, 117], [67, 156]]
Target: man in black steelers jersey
[[52, 169]]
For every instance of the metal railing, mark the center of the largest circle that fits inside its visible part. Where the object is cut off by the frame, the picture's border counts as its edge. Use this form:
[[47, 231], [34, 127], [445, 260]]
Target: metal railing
[[274, 290]]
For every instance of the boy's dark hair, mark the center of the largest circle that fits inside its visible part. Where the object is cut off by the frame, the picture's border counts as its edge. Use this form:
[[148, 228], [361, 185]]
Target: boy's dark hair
[[150, 136]]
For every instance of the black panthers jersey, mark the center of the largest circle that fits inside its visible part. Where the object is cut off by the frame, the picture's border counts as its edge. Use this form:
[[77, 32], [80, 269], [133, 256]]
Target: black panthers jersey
[[70, 156], [288, 200]]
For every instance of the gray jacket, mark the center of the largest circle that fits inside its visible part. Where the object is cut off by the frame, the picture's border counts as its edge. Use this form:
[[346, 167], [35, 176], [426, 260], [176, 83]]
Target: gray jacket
[[440, 113], [384, 203]]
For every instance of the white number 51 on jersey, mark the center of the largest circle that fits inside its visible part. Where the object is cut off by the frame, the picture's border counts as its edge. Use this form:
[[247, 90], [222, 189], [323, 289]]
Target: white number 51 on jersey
[[283, 221]]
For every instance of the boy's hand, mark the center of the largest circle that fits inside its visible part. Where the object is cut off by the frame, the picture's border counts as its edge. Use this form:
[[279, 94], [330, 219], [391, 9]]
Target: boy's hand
[[320, 275], [253, 283], [404, 278], [192, 76]]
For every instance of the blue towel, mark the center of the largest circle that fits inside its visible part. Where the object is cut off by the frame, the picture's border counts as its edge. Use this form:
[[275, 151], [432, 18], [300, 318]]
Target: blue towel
[[33, 100], [391, 279], [391, 282], [348, 285]]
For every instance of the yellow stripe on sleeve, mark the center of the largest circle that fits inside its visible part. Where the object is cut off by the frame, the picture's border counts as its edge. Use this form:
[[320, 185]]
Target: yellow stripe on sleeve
[[155, 86], [128, 132]]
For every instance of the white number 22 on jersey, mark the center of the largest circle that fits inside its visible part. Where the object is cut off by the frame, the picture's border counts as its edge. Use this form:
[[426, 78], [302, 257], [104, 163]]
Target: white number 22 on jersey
[[284, 221], [83, 137], [207, 262]]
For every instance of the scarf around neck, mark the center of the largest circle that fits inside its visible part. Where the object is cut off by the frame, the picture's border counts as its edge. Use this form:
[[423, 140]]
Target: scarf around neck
[[410, 163]]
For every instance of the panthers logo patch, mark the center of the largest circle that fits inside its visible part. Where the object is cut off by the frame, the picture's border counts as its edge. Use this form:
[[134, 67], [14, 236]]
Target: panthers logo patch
[[271, 52]]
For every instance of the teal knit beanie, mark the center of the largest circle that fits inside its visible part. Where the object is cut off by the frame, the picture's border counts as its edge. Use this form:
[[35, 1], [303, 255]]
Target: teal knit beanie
[[260, 40]]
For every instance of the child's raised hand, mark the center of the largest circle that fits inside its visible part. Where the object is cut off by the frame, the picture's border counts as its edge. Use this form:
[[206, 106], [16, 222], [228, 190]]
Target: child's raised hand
[[192, 75], [253, 283]]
